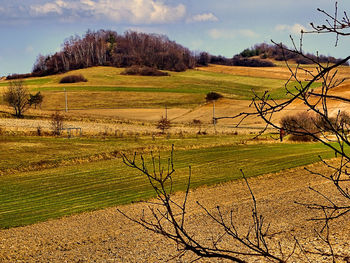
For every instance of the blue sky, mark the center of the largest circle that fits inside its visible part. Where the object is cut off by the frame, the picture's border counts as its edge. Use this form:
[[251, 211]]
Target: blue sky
[[221, 27]]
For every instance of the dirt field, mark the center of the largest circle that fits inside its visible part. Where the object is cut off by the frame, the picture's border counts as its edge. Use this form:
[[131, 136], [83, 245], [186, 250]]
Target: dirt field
[[106, 236]]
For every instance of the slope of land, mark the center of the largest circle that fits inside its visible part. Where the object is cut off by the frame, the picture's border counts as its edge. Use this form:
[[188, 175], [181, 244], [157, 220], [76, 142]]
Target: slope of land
[[107, 96]]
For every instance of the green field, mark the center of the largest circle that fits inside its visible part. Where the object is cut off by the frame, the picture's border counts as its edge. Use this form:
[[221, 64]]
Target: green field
[[21, 152], [29, 197], [194, 83]]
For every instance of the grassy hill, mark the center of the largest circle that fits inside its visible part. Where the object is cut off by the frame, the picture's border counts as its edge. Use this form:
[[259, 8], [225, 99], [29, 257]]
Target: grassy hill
[[106, 88]]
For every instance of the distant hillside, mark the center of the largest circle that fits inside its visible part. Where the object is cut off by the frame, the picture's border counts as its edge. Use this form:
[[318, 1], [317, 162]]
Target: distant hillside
[[205, 58], [108, 48], [258, 55], [264, 51]]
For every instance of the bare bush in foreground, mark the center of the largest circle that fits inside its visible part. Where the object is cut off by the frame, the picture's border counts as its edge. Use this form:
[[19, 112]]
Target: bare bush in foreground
[[168, 218]]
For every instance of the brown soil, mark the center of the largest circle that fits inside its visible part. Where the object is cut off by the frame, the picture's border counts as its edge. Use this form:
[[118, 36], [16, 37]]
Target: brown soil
[[107, 236]]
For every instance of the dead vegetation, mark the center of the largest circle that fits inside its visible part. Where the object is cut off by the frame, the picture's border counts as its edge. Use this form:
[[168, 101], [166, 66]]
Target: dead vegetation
[[144, 71], [73, 79]]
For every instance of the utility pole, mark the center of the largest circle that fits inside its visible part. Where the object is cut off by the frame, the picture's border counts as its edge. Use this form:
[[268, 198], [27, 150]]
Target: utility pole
[[166, 112], [66, 99], [214, 120]]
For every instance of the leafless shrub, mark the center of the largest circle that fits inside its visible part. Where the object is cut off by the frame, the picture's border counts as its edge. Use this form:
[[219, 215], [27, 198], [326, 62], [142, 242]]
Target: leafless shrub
[[36, 99], [57, 121], [144, 71], [163, 124], [213, 96], [305, 126], [73, 79], [300, 126]]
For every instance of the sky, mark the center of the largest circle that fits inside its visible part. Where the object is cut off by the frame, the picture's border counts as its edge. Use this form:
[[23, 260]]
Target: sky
[[221, 27]]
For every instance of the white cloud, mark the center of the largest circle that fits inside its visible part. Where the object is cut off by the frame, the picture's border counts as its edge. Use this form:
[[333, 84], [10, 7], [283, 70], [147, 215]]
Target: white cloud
[[232, 33], [248, 33], [292, 29], [49, 8], [135, 11], [204, 18]]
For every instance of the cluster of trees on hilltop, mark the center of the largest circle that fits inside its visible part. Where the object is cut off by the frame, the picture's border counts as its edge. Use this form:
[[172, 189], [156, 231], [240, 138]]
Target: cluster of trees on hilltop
[[264, 51], [256, 57], [108, 48], [205, 58]]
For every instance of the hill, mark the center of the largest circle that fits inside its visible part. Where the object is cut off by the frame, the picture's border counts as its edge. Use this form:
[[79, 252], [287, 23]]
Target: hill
[[108, 48], [108, 96], [106, 87]]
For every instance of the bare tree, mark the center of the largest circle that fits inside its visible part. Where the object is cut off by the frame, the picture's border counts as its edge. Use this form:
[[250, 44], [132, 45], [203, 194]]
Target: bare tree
[[163, 124], [57, 120], [169, 217], [330, 130], [36, 99], [17, 97]]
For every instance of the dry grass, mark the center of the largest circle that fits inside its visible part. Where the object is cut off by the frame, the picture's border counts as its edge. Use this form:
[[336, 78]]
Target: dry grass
[[105, 99], [279, 72], [264, 72]]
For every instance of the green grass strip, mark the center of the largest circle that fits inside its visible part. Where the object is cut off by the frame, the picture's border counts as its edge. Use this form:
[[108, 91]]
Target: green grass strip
[[27, 198]]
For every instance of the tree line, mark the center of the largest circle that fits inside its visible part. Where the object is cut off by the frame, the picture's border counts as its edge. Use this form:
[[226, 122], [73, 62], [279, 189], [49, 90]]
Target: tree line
[[256, 57], [205, 58], [279, 53]]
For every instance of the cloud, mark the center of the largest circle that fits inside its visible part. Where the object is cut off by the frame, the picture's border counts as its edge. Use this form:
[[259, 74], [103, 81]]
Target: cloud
[[232, 33], [48, 8], [134, 11], [294, 29], [203, 18]]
